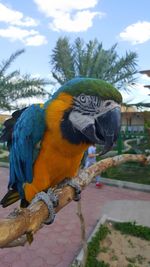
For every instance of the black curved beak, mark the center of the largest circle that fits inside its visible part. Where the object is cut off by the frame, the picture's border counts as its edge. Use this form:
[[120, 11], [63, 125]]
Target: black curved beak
[[108, 127], [100, 129]]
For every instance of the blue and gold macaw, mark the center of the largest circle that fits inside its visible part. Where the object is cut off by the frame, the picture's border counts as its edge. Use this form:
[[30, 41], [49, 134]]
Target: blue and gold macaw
[[47, 141]]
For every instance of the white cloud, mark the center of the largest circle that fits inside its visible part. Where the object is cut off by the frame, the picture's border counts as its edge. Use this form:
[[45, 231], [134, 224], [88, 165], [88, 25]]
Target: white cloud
[[28, 37], [69, 15], [137, 33], [36, 40], [81, 21], [51, 10], [16, 33], [15, 17]]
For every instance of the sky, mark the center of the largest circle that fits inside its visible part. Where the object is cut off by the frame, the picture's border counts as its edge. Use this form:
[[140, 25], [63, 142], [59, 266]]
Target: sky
[[36, 25]]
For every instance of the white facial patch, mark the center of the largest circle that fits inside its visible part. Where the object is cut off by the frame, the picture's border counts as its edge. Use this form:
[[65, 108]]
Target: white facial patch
[[80, 121]]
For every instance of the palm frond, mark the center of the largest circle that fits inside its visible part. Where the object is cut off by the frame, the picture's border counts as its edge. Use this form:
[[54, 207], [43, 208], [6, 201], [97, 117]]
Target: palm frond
[[6, 64]]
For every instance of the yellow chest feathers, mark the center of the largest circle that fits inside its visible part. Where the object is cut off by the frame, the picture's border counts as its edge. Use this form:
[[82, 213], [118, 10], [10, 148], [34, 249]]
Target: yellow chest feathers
[[58, 158], [54, 117]]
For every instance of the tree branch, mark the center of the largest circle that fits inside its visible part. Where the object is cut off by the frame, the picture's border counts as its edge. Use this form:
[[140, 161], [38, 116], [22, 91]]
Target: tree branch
[[28, 221], [83, 233]]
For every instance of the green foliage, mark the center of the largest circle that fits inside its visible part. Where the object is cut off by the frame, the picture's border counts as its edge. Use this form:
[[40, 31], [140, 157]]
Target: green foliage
[[94, 248], [147, 124], [14, 86], [127, 228], [62, 58], [130, 171], [147, 119], [79, 59], [133, 229], [4, 159], [140, 147]]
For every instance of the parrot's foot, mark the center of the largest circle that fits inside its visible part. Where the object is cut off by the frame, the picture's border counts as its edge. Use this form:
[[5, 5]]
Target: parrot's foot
[[51, 200], [53, 197], [74, 185]]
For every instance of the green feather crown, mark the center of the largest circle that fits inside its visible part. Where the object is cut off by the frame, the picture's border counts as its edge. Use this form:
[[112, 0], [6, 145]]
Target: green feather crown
[[90, 86]]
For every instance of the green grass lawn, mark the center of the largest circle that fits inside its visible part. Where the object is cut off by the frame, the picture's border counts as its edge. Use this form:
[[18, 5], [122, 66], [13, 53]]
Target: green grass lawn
[[129, 171], [3, 147], [3, 157], [143, 145]]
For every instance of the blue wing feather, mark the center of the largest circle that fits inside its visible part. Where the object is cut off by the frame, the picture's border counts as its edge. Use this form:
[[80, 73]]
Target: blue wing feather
[[28, 131]]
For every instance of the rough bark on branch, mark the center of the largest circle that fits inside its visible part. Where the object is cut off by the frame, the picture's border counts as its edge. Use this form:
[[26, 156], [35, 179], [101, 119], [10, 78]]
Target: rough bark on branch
[[29, 220]]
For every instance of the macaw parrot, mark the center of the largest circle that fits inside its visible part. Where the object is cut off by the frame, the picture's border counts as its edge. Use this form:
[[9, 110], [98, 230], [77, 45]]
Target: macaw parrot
[[47, 141]]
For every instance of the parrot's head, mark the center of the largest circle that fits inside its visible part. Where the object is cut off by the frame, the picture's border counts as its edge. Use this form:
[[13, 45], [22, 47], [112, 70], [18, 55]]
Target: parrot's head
[[93, 115]]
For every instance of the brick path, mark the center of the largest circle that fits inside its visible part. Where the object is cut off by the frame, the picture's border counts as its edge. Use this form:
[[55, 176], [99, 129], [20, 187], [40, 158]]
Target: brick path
[[58, 244]]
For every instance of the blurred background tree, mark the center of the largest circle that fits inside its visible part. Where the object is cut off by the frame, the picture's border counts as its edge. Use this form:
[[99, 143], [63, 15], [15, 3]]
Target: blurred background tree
[[14, 86], [80, 59]]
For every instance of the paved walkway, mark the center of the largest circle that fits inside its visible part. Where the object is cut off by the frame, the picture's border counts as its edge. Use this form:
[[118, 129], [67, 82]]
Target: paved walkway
[[58, 244], [128, 210]]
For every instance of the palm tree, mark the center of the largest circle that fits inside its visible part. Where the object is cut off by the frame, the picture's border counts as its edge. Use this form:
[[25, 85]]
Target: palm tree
[[14, 86], [62, 61], [92, 60]]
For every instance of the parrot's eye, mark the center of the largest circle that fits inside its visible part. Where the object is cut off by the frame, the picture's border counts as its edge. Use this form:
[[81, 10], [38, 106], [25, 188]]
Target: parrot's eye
[[87, 103], [83, 98]]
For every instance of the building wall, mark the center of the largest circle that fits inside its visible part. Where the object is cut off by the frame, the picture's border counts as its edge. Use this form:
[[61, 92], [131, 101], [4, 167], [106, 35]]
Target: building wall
[[132, 121]]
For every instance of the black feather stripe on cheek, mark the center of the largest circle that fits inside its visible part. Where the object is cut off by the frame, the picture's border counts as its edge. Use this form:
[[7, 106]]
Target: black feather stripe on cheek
[[70, 133]]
